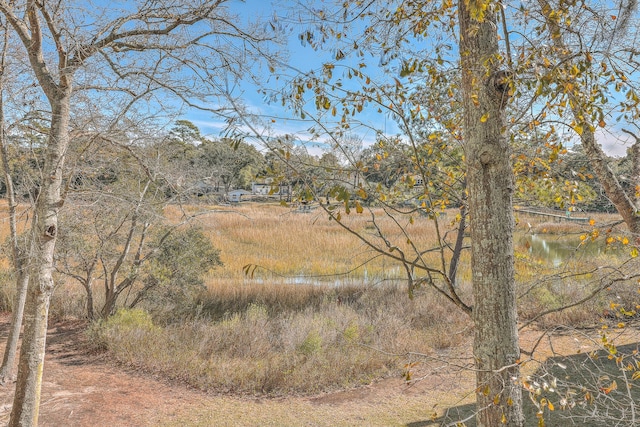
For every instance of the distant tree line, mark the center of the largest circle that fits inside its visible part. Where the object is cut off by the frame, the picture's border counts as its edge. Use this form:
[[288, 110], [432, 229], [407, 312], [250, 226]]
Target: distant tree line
[[198, 165]]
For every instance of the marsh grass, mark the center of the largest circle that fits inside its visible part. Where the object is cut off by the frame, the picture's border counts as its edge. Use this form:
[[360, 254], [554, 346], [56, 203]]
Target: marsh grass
[[284, 244], [318, 310], [316, 342]]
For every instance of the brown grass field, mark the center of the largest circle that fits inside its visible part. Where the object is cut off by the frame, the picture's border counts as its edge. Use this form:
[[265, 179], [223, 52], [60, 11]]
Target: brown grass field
[[323, 312]]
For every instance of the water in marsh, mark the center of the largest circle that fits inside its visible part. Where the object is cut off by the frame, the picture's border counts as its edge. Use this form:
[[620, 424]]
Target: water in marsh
[[556, 249]]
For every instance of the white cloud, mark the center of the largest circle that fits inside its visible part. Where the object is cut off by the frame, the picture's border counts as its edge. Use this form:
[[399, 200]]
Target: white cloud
[[613, 142]]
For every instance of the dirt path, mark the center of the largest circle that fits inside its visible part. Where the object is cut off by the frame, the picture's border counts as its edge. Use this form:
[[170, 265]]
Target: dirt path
[[81, 389]]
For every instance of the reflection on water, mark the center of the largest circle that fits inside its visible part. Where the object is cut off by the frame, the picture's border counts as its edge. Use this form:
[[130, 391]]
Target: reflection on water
[[392, 275], [556, 249]]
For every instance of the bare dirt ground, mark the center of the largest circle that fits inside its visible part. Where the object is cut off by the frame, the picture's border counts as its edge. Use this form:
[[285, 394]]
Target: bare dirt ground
[[83, 389]]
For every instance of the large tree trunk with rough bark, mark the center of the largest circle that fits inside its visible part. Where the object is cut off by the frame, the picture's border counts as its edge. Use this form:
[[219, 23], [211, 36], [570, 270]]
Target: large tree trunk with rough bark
[[490, 186], [30, 368]]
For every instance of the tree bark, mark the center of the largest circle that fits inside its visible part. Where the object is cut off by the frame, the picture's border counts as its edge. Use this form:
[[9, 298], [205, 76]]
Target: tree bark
[[90, 309], [11, 348], [490, 186], [110, 299], [30, 368], [22, 277], [635, 168], [623, 202]]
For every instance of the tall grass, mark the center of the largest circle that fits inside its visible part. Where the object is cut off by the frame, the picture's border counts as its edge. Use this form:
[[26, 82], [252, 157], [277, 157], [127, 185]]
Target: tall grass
[[285, 244], [314, 342], [321, 310]]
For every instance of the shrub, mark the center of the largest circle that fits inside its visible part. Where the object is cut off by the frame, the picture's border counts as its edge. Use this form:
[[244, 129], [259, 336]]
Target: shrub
[[312, 344], [317, 343], [130, 319], [123, 332]]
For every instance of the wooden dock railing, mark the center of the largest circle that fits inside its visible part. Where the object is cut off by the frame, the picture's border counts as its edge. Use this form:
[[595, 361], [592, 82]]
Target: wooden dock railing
[[556, 217]]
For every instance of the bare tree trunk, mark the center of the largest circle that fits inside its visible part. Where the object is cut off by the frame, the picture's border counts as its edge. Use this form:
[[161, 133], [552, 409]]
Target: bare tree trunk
[[490, 187], [11, 348], [109, 306], [90, 309], [635, 168], [623, 202], [22, 277], [29, 383], [26, 401]]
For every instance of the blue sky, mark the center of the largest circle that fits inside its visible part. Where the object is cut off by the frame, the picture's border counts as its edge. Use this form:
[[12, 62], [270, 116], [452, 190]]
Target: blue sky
[[302, 58], [305, 59]]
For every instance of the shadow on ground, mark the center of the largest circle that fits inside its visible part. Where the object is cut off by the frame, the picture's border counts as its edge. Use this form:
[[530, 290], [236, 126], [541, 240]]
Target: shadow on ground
[[588, 390]]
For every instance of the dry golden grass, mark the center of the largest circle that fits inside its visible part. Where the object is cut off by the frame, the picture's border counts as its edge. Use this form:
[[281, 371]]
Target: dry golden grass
[[285, 245], [290, 328], [322, 310], [22, 223], [299, 324], [319, 345]]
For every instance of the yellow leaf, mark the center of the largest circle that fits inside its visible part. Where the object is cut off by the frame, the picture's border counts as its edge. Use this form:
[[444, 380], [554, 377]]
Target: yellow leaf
[[359, 208], [550, 406], [592, 222], [634, 252], [607, 390], [484, 117], [579, 129]]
